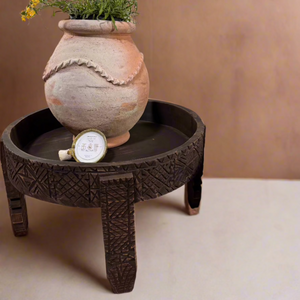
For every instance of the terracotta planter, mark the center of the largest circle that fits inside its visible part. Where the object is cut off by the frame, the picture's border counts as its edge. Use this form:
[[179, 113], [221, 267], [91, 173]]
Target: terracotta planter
[[96, 78]]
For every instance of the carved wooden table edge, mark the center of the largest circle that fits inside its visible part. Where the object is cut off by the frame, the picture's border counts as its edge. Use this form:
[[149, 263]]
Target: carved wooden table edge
[[115, 187]]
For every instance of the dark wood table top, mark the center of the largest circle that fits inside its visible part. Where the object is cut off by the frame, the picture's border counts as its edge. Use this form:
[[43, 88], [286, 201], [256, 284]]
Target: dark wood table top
[[146, 139], [166, 146]]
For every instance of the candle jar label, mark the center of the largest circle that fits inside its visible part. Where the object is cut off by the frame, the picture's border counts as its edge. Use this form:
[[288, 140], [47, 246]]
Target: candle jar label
[[90, 146]]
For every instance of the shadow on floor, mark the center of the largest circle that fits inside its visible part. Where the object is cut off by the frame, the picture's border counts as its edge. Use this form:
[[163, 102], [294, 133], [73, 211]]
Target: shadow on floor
[[70, 236]]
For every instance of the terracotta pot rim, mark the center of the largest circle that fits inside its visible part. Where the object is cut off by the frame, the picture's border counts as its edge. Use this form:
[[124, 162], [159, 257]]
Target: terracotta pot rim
[[95, 27]]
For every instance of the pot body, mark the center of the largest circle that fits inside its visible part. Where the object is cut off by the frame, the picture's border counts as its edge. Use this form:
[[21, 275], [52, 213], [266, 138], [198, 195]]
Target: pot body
[[96, 78]]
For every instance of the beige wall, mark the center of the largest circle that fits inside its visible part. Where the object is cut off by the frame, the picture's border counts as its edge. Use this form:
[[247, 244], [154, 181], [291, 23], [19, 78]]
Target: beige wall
[[236, 63]]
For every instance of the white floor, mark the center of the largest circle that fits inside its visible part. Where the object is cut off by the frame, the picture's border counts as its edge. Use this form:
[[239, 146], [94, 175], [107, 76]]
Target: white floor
[[244, 244]]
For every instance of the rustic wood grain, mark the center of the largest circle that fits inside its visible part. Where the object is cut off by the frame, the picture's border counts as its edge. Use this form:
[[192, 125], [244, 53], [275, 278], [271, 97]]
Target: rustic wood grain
[[193, 188], [166, 151], [16, 202], [117, 204]]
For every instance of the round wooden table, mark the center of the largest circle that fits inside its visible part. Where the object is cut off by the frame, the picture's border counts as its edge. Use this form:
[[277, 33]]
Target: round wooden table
[[165, 151]]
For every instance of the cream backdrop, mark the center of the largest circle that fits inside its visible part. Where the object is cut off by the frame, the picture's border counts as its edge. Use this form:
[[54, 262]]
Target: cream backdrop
[[236, 63]]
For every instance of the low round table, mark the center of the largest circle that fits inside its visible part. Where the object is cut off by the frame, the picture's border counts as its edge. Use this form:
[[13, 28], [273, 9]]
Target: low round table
[[165, 151]]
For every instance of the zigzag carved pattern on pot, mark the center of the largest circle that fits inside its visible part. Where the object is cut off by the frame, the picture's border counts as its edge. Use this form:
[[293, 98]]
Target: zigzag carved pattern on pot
[[97, 69]]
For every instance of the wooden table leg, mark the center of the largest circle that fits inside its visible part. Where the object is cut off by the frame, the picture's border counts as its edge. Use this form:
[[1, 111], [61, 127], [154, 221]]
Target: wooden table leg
[[117, 204], [16, 202], [193, 191]]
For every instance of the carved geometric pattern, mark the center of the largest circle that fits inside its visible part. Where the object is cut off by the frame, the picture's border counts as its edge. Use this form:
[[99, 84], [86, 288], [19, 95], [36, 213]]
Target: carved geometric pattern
[[11, 191], [79, 186], [169, 173], [71, 185], [113, 187], [18, 216], [16, 202], [117, 203]]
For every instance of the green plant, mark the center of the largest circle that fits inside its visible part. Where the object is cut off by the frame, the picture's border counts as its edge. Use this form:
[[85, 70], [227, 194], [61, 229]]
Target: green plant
[[112, 10]]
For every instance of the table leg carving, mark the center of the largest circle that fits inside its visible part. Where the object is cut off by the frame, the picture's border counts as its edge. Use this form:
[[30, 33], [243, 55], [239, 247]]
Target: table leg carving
[[117, 205], [193, 191], [16, 202]]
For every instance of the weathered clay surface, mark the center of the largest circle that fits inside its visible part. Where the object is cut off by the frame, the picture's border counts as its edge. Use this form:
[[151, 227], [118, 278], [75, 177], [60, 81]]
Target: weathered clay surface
[[96, 78]]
